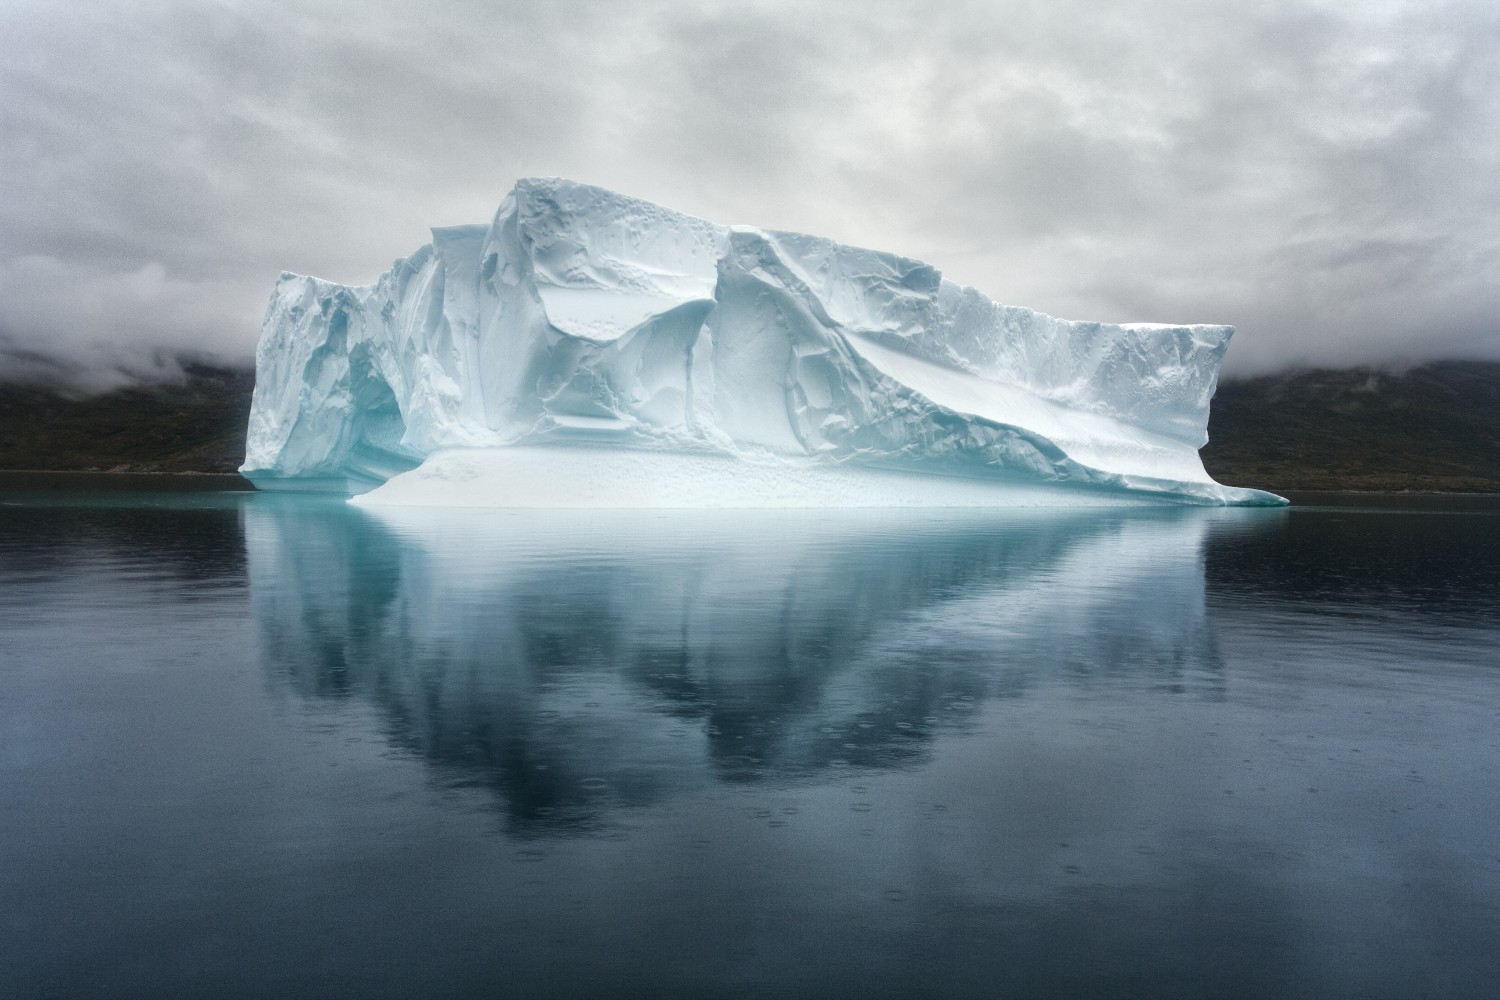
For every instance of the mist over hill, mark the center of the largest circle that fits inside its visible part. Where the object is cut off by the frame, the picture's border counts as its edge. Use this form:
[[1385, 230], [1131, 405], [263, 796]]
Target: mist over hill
[[1432, 427]]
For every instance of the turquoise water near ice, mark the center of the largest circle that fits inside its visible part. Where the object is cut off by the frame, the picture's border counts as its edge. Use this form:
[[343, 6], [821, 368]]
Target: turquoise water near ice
[[258, 745]]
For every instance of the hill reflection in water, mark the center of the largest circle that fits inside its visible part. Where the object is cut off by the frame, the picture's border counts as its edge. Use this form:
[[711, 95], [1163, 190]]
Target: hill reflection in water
[[581, 664]]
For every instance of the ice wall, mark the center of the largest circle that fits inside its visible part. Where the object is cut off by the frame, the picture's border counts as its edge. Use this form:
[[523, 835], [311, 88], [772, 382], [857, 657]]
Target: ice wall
[[589, 349]]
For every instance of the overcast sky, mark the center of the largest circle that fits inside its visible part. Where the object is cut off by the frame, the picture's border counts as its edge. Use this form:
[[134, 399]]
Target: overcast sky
[[1325, 176]]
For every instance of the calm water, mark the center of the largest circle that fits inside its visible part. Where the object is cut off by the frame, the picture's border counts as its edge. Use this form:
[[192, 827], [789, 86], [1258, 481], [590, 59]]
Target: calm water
[[266, 746]]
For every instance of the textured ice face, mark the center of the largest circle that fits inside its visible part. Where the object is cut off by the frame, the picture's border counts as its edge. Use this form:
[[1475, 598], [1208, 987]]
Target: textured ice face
[[585, 335]]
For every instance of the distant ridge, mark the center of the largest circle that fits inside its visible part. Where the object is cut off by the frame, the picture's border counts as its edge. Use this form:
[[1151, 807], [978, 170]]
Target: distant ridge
[[1431, 427], [195, 424]]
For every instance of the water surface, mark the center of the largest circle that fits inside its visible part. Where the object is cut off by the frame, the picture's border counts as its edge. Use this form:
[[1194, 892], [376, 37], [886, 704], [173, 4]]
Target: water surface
[[259, 745]]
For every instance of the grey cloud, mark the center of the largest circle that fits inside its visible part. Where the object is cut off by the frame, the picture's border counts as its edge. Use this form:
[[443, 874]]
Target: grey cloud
[[1323, 176]]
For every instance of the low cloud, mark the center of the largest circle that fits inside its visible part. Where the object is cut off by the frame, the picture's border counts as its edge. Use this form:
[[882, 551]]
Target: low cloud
[[99, 325], [1325, 176]]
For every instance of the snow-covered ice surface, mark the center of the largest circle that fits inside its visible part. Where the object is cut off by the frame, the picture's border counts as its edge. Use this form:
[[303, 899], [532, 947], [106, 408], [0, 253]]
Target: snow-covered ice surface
[[587, 349]]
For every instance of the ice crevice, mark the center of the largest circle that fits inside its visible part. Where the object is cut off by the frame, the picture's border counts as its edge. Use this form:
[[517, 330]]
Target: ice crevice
[[589, 349]]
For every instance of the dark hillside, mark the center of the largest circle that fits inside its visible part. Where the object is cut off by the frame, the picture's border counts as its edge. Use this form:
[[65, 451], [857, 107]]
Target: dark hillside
[[1436, 427], [196, 425]]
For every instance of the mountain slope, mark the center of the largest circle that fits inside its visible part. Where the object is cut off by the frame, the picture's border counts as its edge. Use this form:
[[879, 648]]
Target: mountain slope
[[1434, 427], [195, 425]]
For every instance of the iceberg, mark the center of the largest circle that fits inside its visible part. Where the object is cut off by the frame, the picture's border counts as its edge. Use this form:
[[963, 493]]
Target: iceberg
[[588, 349]]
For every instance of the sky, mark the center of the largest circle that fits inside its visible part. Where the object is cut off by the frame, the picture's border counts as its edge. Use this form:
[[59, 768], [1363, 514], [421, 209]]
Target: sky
[[1325, 176]]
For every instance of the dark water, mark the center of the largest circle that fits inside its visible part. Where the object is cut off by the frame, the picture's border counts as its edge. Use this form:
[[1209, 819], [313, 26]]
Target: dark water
[[263, 746]]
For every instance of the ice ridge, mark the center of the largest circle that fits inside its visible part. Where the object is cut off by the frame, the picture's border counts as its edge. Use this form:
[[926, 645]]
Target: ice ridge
[[591, 349]]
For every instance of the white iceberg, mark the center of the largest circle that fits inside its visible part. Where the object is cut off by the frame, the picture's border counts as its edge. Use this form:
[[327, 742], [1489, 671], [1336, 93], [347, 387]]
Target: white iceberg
[[587, 349]]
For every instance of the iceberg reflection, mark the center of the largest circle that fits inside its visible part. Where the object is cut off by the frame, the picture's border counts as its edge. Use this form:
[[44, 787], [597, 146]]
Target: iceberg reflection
[[577, 664]]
